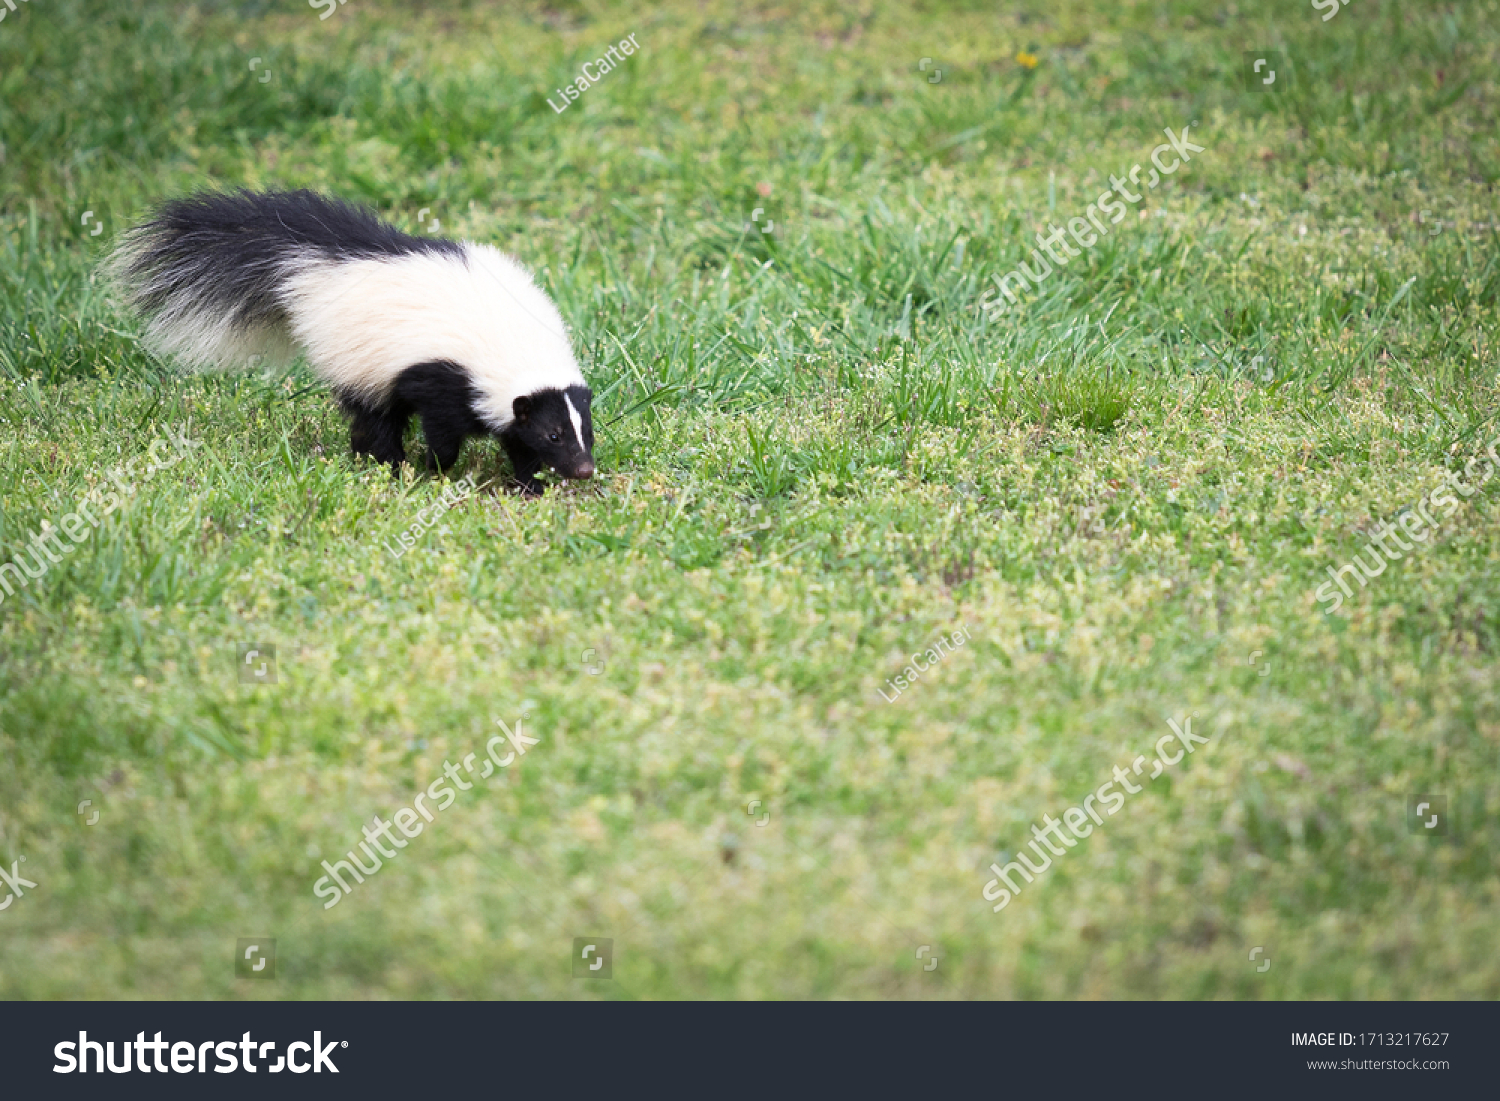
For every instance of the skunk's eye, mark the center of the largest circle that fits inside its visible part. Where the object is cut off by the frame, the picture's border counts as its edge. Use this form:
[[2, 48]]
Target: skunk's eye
[[553, 437]]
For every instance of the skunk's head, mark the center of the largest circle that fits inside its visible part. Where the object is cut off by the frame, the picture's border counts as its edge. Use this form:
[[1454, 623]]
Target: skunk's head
[[557, 425]]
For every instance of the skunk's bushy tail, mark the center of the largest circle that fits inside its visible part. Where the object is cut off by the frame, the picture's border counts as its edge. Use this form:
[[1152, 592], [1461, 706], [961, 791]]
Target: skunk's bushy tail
[[210, 272]]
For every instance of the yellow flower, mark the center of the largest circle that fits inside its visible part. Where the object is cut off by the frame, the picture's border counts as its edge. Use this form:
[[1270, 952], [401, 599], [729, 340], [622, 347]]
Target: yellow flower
[[1029, 60]]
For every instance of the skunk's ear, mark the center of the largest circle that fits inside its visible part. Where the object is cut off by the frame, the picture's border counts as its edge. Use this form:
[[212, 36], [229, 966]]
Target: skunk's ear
[[522, 407]]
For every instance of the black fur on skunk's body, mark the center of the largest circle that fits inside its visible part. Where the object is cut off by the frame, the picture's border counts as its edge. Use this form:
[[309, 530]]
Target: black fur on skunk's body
[[455, 333]]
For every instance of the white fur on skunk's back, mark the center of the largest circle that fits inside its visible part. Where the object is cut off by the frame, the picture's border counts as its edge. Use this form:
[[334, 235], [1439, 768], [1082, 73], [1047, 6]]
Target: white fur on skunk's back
[[362, 322], [226, 281]]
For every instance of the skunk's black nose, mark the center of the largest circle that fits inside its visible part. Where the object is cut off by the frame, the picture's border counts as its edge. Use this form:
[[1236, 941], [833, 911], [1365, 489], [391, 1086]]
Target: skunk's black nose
[[584, 469]]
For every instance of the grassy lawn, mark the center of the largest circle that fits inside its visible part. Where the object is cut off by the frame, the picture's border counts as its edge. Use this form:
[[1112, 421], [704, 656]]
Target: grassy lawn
[[820, 450]]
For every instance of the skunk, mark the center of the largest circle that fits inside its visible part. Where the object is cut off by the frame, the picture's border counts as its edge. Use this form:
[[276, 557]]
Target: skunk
[[456, 333]]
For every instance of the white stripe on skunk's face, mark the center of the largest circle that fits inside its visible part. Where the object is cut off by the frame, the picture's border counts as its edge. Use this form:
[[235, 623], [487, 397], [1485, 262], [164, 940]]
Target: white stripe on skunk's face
[[558, 426], [577, 424]]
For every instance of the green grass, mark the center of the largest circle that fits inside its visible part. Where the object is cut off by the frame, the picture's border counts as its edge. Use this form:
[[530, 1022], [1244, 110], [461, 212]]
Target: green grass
[[817, 454]]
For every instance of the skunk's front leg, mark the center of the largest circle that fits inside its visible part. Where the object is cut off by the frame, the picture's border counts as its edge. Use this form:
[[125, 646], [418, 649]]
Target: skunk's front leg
[[526, 463]]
